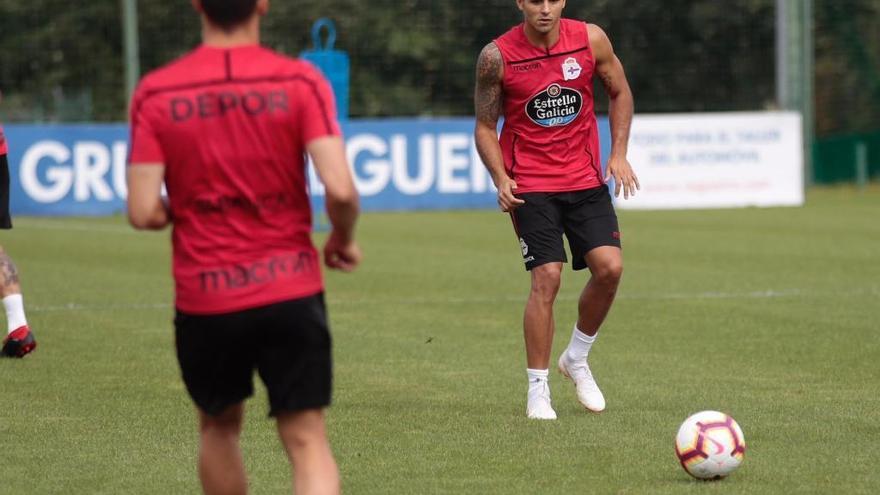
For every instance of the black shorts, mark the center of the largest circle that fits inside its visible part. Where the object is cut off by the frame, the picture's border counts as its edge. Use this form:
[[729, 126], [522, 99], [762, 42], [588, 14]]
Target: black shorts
[[586, 218], [5, 217], [288, 343]]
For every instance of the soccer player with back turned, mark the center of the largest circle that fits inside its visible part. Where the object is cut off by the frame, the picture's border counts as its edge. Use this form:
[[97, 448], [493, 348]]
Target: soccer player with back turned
[[19, 340], [539, 77], [226, 128]]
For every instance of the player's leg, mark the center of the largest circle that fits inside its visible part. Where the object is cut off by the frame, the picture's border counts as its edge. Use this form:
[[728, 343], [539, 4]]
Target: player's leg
[[295, 363], [221, 467], [538, 223], [19, 340], [538, 327], [594, 237], [538, 322], [216, 356], [606, 269], [304, 435]]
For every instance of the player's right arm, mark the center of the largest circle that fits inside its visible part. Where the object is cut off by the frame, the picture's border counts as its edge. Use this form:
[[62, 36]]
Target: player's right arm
[[488, 99], [341, 252], [147, 209]]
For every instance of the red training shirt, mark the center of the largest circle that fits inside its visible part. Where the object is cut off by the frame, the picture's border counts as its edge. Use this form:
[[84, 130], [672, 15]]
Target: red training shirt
[[550, 141], [231, 126]]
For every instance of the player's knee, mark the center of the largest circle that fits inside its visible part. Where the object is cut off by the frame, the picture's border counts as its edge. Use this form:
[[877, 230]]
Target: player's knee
[[299, 438], [609, 272], [545, 281], [302, 429]]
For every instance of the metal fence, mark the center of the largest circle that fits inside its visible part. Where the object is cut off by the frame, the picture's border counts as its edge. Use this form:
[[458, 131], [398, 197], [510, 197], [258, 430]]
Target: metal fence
[[62, 60]]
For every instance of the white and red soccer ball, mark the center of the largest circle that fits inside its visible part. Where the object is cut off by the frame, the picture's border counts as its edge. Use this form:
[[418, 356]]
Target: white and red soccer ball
[[710, 445]]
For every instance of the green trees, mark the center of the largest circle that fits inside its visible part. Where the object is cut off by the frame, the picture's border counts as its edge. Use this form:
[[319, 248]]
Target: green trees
[[60, 62]]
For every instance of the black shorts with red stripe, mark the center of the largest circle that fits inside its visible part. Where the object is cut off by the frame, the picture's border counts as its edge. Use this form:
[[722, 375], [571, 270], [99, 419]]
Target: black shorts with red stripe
[[586, 218]]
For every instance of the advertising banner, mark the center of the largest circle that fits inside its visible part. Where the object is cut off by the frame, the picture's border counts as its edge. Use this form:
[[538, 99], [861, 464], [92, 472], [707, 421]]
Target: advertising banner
[[398, 164], [722, 160], [683, 161], [67, 170]]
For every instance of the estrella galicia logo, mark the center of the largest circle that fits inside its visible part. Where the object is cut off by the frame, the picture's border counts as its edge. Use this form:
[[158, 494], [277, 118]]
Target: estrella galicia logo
[[555, 106]]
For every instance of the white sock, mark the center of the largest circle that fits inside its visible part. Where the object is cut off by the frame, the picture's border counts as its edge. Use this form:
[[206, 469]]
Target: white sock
[[537, 381], [14, 312], [579, 346]]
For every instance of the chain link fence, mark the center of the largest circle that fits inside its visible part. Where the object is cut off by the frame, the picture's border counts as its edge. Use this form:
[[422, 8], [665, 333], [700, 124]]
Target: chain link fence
[[62, 61]]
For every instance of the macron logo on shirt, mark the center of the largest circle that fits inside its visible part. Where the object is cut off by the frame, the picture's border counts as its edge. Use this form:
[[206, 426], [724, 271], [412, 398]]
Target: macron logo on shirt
[[259, 272], [212, 104]]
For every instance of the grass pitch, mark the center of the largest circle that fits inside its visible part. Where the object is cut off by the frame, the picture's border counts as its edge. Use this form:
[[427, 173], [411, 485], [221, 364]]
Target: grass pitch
[[770, 315]]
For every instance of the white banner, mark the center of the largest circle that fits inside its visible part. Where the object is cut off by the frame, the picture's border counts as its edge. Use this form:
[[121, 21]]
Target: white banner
[[720, 160]]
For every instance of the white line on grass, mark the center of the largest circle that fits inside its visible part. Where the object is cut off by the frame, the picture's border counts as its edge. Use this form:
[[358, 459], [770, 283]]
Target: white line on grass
[[95, 307], [763, 294], [38, 224]]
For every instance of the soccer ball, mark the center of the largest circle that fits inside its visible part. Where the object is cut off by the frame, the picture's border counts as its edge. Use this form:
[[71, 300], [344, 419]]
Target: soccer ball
[[710, 445]]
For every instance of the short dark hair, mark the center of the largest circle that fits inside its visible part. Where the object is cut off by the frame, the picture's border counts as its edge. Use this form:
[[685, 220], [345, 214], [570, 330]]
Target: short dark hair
[[228, 13]]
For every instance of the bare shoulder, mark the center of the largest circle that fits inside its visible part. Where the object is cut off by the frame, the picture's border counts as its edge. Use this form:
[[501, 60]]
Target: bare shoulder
[[597, 36], [490, 64], [600, 44]]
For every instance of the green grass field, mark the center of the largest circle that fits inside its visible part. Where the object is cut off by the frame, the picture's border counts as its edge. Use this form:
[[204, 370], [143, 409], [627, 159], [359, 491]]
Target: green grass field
[[770, 315]]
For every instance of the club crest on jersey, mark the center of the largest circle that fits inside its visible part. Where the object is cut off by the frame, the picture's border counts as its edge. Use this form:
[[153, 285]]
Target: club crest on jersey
[[555, 106], [571, 69]]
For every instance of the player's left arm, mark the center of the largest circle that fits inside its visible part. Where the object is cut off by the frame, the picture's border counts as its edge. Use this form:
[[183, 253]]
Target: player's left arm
[[147, 209], [620, 111]]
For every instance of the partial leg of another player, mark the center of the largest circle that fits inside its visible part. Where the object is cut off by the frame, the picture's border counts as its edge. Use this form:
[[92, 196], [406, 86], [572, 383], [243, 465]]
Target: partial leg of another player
[[19, 340], [221, 467], [538, 327], [304, 436], [606, 266]]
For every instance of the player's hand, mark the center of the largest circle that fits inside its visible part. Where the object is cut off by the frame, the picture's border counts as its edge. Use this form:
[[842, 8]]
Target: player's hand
[[506, 199], [340, 255], [624, 177]]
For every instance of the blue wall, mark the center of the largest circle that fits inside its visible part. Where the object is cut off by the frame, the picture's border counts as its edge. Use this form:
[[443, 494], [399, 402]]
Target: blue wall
[[399, 164]]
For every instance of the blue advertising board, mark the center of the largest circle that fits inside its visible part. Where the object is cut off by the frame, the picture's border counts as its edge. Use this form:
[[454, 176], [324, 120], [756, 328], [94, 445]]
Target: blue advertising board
[[398, 164]]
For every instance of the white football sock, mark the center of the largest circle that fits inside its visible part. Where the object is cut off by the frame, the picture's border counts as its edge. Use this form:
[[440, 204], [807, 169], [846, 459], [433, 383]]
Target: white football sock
[[14, 312], [537, 381], [579, 346]]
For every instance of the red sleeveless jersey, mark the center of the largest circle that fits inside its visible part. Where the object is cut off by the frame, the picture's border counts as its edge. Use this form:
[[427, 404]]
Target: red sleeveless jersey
[[231, 127], [3, 147], [549, 140]]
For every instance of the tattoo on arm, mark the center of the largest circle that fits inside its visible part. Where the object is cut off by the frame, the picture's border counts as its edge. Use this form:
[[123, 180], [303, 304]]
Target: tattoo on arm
[[8, 270], [607, 64], [607, 81], [487, 96]]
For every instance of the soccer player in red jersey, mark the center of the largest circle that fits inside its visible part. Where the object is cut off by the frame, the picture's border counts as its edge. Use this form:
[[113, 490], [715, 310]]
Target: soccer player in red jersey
[[19, 340], [539, 76], [227, 127]]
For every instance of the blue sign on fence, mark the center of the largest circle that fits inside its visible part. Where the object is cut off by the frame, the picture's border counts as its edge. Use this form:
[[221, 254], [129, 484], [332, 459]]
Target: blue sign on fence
[[398, 164]]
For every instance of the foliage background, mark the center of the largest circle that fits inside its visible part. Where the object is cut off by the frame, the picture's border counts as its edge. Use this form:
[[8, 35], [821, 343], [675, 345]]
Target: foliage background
[[62, 60]]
